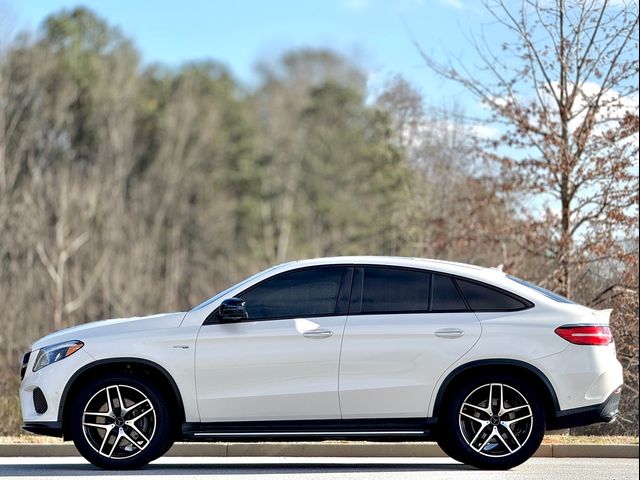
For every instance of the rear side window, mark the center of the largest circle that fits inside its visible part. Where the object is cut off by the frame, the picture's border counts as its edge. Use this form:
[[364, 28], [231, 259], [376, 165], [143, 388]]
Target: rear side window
[[481, 298], [395, 290], [445, 296], [301, 293]]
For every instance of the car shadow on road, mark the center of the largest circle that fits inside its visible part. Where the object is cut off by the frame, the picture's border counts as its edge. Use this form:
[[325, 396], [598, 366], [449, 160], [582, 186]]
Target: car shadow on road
[[81, 469]]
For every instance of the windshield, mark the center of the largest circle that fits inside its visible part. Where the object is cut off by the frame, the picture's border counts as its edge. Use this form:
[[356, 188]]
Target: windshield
[[542, 290], [232, 287]]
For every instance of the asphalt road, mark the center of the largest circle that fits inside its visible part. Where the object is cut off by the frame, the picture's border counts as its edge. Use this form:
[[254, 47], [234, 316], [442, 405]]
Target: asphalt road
[[323, 468]]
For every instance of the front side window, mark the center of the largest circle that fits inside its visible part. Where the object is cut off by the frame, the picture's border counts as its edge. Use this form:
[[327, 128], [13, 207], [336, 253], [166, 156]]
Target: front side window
[[481, 298], [301, 293], [395, 290]]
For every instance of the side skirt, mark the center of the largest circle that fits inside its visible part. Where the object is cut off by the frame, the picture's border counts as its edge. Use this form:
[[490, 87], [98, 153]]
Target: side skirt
[[391, 429]]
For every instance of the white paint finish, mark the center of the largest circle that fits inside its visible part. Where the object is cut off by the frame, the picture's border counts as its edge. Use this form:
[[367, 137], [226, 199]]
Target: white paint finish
[[391, 363], [583, 375], [269, 370], [51, 382], [391, 366], [147, 338], [528, 336]]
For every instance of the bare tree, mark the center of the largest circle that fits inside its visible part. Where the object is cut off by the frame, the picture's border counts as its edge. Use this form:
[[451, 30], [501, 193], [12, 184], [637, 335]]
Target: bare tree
[[564, 92]]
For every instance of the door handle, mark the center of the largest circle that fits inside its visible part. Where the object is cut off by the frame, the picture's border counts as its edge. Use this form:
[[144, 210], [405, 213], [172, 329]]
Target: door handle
[[318, 333], [449, 332]]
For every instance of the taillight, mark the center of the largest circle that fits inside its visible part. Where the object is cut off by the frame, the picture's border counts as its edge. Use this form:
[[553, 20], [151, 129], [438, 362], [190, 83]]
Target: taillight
[[586, 334]]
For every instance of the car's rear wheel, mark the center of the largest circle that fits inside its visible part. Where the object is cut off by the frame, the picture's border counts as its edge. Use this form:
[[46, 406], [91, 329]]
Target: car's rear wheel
[[120, 422], [494, 422]]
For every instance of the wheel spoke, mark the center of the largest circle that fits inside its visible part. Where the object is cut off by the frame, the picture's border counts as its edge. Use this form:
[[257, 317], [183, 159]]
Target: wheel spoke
[[510, 422], [490, 404], [109, 406], [473, 418], [98, 414], [98, 425], [138, 417], [115, 443], [112, 403], [120, 402], [477, 435], [139, 432], [133, 407], [504, 442], [512, 435], [509, 410], [126, 436], [483, 410], [489, 437], [107, 434]]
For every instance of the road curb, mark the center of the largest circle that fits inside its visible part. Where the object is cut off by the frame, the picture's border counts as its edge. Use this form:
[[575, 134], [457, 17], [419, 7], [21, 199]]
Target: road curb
[[320, 449]]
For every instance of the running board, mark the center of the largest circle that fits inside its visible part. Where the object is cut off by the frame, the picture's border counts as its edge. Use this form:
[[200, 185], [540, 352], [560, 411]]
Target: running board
[[400, 429]]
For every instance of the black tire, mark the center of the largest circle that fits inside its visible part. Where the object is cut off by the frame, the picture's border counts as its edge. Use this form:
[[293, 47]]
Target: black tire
[[494, 447], [151, 434]]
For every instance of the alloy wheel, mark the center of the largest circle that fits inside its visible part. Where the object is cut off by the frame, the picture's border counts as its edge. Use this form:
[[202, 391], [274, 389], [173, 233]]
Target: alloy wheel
[[119, 422], [495, 420]]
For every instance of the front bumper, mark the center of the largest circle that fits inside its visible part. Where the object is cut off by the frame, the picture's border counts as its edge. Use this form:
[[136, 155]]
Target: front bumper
[[604, 412], [50, 429], [41, 391]]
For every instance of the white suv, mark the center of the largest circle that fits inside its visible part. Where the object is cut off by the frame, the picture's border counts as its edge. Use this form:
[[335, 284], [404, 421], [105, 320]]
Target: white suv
[[368, 348]]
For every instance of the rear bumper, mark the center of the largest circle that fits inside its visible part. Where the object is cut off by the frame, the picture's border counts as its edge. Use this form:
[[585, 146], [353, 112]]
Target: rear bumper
[[604, 412]]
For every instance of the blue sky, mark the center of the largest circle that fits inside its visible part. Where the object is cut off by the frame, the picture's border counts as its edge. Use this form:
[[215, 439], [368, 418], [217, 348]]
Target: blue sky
[[375, 32]]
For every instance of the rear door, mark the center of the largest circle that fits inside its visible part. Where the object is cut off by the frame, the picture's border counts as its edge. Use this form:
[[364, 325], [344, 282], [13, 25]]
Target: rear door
[[405, 327]]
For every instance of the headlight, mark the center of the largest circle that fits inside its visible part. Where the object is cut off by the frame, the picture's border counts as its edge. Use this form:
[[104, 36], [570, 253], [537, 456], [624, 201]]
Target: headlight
[[53, 353]]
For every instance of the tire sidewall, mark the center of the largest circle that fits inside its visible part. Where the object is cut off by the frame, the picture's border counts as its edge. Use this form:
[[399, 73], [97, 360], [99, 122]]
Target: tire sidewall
[[457, 445], [162, 433]]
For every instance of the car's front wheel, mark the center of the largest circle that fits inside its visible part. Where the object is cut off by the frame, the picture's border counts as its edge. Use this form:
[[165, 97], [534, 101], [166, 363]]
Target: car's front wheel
[[120, 422], [492, 422]]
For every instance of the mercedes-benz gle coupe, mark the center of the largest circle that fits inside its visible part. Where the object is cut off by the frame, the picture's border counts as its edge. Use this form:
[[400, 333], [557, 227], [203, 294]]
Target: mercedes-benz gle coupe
[[367, 348]]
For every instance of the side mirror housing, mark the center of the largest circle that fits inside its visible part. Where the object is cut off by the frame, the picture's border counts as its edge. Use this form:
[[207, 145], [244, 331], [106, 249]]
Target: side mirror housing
[[232, 310]]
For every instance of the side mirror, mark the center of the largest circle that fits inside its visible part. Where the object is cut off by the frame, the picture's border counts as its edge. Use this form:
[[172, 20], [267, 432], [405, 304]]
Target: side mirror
[[232, 310]]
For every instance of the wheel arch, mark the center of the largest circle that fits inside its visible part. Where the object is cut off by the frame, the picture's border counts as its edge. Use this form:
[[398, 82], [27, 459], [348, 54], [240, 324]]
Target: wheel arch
[[150, 369], [525, 370]]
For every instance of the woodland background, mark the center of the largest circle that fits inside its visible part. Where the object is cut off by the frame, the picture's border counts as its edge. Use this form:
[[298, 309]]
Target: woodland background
[[128, 189]]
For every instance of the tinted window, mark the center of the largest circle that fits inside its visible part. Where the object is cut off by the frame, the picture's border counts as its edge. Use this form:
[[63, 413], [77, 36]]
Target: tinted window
[[394, 290], [445, 296], [302, 293], [485, 298]]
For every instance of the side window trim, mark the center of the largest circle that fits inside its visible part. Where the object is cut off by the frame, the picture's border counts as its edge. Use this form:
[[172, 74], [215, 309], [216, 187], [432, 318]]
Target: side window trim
[[212, 318]]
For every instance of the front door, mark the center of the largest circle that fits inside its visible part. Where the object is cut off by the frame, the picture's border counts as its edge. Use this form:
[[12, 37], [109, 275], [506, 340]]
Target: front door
[[281, 363]]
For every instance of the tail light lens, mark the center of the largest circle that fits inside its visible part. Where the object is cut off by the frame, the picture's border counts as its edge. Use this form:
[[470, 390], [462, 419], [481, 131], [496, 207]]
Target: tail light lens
[[586, 334]]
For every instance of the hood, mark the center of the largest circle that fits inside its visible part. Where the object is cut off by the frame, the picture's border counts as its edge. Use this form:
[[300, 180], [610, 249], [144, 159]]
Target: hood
[[113, 326]]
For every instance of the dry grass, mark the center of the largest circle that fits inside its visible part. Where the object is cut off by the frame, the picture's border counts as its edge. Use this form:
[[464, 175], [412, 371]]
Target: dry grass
[[590, 439]]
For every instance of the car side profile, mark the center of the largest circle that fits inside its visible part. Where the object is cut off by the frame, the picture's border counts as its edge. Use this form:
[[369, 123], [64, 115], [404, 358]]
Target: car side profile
[[368, 348]]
